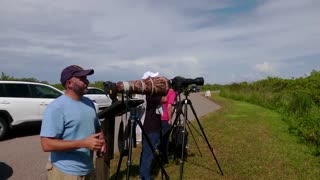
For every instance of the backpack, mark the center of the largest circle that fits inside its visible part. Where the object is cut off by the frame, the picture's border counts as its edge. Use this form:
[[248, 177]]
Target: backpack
[[177, 140]]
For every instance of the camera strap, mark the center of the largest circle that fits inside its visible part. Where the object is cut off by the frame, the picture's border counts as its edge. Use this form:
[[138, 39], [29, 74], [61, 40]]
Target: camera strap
[[142, 86], [151, 86], [126, 86]]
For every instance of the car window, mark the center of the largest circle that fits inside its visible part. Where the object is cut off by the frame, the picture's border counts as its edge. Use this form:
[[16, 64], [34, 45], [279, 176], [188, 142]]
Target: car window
[[2, 92], [90, 91], [95, 91], [98, 91], [39, 91], [17, 90]]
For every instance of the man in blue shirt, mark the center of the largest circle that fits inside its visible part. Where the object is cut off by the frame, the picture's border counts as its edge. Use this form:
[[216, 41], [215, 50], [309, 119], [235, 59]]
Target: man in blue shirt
[[69, 129]]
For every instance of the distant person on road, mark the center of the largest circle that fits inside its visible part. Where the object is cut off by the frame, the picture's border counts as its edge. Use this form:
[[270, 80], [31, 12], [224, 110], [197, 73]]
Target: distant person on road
[[166, 123], [70, 129], [207, 94]]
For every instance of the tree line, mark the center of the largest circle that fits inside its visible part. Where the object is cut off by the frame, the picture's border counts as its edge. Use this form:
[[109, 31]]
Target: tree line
[[297, 99], [6, 77]]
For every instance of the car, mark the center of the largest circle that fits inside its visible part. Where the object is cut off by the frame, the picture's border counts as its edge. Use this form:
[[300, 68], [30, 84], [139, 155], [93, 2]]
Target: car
[[194, 88], [98, 96], [22, 102]]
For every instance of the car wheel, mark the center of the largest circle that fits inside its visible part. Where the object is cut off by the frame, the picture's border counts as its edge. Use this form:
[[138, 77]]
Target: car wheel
[[3, 128]]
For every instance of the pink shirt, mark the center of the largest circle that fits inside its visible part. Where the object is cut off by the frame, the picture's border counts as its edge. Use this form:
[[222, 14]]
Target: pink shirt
[[170, 100]]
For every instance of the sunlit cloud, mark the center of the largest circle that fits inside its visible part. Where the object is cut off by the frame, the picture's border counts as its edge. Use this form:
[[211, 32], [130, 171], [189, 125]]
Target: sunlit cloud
[[223, 41], [265, 67]]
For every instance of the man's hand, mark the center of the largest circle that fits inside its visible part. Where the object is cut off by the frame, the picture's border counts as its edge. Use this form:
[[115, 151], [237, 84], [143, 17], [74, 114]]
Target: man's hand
[[93, 142], [103, 149]]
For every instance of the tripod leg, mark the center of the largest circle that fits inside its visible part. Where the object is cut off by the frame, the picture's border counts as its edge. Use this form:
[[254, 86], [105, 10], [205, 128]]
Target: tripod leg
[[188, 124], [146, 138], [178, 110], [119, 165], [130, 147], [204, 135], [183, 138]]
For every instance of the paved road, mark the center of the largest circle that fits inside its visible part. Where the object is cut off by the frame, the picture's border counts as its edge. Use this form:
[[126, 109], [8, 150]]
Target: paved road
[[21, 156]]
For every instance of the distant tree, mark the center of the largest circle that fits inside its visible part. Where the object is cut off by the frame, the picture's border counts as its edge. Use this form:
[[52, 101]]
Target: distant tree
[[28, 79], [11, 78], [45, 82], [6, 77], [98, 84], [58, 86]]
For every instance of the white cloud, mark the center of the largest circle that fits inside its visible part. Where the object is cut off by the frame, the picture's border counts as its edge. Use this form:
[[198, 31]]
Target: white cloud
[[125, 38], [265, 67]]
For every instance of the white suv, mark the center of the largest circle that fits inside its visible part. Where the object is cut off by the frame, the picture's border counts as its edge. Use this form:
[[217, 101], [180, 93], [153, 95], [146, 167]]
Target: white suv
[[23, 102], [98, 96]]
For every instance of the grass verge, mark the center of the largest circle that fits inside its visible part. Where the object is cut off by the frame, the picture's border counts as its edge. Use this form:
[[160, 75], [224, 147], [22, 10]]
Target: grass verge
[[249, 142]]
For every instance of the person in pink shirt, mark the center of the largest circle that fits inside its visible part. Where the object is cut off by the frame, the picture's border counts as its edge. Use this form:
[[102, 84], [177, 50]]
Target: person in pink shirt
[[166, 123]]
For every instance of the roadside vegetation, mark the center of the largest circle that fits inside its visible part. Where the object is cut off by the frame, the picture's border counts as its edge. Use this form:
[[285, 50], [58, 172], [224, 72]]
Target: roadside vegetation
[[296, 99], [249, 142]]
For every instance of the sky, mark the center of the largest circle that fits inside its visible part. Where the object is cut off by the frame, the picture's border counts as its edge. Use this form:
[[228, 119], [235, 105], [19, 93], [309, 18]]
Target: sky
[[223, 41]]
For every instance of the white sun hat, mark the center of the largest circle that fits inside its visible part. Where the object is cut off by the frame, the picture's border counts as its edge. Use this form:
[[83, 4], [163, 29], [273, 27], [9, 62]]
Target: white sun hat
[[149, 74]]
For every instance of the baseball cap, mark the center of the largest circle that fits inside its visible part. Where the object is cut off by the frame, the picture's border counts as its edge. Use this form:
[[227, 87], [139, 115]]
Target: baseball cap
[[149, 74], [74, 71]]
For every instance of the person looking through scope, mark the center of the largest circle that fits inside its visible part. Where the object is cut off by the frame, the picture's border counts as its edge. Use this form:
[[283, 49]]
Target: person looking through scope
[[166, 123], [69, 129]]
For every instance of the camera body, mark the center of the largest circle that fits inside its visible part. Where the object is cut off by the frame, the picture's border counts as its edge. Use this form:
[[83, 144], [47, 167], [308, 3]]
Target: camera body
[[179, 83], [110, 89]]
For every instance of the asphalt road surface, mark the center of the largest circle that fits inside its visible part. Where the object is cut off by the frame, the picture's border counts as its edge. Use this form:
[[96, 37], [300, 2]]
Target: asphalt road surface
[[21, 156]]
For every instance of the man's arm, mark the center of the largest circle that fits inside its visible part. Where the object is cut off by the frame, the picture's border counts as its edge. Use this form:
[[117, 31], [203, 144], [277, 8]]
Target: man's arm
[[92, 142]]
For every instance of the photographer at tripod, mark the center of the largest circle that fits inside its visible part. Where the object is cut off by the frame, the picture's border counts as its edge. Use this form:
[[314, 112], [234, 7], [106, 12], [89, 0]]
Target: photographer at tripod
[[152, 128], [156, 89]]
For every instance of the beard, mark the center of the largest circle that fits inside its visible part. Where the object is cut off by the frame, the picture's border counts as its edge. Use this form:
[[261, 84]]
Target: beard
[[80, 91]]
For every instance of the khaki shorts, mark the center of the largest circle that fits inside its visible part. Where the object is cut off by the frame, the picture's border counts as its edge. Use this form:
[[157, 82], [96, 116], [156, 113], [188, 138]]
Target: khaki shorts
[[55, 174]]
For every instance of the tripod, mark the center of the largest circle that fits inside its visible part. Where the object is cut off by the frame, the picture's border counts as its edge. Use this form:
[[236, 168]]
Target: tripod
[[182, 109], [132, 122]]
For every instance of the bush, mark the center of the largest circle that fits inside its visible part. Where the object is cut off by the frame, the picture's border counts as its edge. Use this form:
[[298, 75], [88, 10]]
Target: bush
[[298, 100]]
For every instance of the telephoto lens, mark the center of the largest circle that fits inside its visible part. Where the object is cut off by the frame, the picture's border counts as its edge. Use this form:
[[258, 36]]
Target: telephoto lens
[[154, 86]]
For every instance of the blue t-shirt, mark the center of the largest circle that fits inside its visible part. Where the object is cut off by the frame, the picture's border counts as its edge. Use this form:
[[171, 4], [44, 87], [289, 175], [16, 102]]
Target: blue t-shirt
[[68, 119]]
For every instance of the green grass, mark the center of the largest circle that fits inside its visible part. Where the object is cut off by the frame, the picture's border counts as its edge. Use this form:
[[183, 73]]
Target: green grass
[[249, 142]]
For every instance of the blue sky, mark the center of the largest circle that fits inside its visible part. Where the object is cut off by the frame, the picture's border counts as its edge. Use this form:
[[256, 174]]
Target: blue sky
[[224, 41]]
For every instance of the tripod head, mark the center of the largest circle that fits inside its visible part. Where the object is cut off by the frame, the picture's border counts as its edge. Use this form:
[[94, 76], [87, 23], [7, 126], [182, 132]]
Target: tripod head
[[186, 92], [118, 108]]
